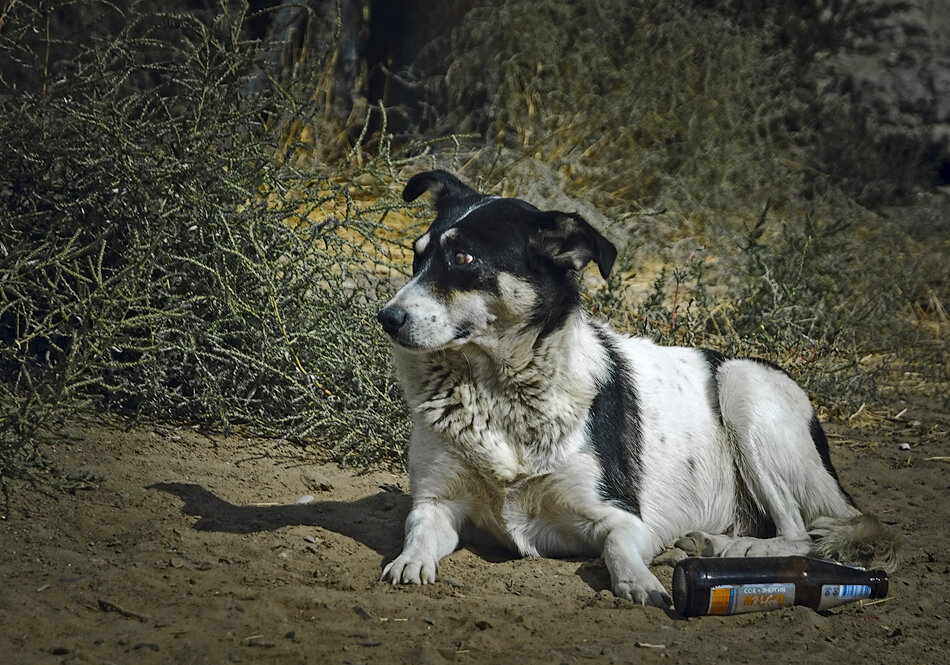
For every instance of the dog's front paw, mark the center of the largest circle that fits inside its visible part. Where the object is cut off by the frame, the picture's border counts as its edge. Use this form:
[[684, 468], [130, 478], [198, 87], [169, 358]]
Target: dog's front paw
[[410, 569], [643, 592]]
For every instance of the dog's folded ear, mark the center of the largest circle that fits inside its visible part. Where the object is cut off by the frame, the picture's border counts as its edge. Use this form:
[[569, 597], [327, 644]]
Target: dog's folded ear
[[447, 190], [569, 241]]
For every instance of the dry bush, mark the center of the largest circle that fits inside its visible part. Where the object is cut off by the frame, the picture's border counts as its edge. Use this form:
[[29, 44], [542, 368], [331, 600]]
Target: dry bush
[[168, 251]]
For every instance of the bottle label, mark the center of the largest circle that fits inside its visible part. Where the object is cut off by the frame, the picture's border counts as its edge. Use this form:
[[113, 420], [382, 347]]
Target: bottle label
[[833, 595], [738, 598]]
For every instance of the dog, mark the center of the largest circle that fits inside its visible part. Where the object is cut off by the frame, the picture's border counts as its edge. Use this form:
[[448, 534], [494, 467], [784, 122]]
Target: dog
[[556, 436]]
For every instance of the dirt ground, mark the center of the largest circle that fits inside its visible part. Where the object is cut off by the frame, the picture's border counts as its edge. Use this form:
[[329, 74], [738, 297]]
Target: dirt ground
[[197, 548]]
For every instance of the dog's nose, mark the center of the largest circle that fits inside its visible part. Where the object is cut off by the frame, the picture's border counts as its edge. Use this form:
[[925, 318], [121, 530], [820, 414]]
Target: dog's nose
[[392, 318]]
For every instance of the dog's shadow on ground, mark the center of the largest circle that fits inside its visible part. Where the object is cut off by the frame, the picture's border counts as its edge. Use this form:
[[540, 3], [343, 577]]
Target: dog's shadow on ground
[[375, 521]]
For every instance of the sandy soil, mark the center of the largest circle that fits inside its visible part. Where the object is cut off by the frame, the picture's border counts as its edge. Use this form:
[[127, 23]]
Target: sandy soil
[[195, 548]]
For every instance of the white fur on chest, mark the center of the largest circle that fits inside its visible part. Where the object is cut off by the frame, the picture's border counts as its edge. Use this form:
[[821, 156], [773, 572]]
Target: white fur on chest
[[507, 417]]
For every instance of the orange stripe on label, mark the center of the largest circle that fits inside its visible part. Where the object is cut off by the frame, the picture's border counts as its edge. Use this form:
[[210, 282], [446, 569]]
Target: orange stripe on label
[[720, 600]]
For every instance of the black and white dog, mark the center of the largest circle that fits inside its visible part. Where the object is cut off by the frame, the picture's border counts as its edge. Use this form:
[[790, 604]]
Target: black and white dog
[[557, 436]]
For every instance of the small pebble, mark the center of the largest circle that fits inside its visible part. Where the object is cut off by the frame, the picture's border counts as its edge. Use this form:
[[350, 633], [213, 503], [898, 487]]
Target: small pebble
[[904, 446], [72, 579], [449, 653], [146, 645], [306, 498], [363, 612]]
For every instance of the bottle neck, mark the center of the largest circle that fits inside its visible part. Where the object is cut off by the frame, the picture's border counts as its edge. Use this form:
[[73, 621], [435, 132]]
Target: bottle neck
[[878, 582]]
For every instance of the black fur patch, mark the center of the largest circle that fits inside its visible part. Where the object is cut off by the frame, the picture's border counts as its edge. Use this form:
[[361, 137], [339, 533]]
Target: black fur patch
[[821, 445], [769, 363], [714, 359], [615, 434]]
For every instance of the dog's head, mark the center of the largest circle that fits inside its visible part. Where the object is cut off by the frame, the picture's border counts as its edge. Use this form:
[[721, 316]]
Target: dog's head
[[488, 266]]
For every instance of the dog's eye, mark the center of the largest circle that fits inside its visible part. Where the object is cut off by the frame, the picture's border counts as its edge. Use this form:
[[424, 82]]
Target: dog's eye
[[462, 258]]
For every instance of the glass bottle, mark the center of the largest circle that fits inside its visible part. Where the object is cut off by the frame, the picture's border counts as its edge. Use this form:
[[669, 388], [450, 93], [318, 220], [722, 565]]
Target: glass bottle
[[734, 585]]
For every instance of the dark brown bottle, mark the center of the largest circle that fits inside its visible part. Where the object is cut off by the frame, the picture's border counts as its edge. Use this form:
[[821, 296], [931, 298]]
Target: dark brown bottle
[[734, 585]]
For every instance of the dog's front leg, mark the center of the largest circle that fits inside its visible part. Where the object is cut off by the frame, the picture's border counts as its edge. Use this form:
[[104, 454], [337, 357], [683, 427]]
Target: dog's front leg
[[626, 550], [432, 532]]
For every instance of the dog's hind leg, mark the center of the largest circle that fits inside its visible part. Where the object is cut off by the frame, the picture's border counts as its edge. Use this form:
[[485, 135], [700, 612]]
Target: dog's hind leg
[[432, 533], [782, 473]]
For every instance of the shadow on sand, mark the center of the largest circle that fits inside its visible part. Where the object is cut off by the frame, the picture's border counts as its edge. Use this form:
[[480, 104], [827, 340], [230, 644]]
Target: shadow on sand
[[375, 521]]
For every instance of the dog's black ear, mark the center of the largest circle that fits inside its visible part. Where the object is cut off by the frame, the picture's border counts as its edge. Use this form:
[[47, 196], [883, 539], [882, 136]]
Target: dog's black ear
[[447, 190], [571, 242]]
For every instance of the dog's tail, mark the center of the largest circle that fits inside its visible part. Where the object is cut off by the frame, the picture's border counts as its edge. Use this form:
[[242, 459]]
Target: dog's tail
[[861, 540]]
